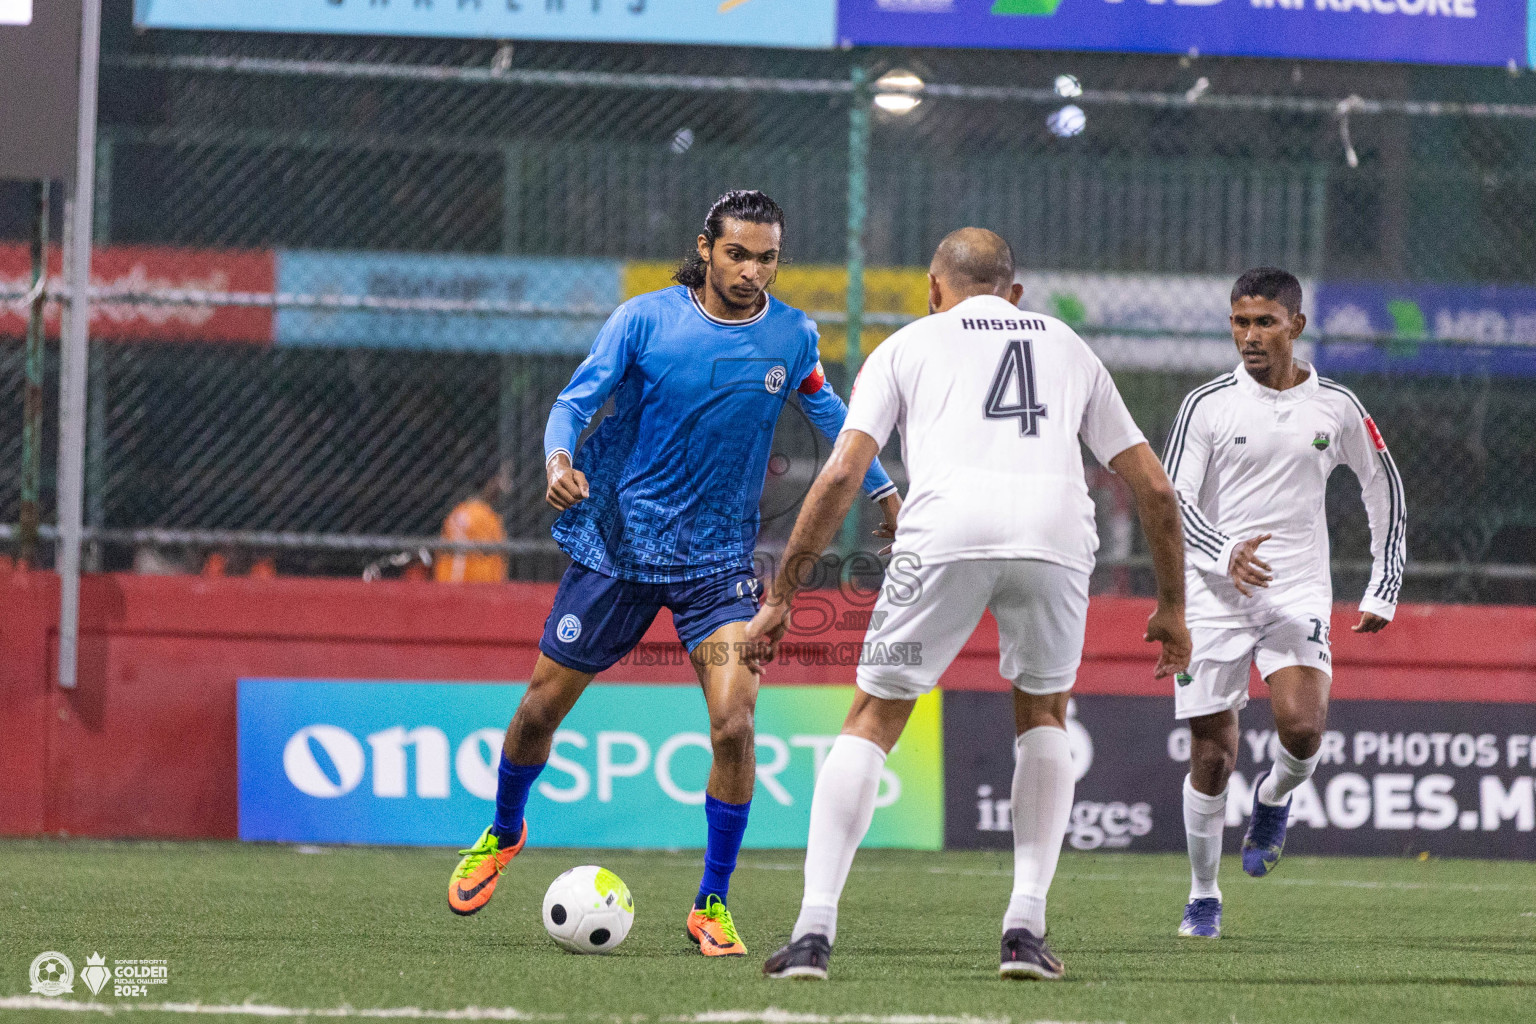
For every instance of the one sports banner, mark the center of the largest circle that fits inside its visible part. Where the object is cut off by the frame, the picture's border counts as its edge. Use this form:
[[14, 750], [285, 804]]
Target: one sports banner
[[416, 763], [1395, 777], [799, 23], [1486, 32]]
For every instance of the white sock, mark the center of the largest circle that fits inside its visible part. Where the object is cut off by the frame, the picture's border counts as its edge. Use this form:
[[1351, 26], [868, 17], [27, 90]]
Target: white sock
[[841, 809], [1042, 802], [1204, 818], [1286, 774]]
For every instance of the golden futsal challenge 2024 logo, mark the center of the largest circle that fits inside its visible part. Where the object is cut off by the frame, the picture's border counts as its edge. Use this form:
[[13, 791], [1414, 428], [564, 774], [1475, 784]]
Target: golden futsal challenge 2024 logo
[[53, 974]]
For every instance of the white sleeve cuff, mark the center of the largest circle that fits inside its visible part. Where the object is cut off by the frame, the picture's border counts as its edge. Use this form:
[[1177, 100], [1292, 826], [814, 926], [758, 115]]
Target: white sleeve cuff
[[884, 492], [1224, 558], [557, 451], [1376, 606]]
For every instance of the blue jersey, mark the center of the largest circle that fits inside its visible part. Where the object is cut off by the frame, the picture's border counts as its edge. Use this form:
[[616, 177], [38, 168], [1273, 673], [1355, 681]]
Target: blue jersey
[[676, 470]]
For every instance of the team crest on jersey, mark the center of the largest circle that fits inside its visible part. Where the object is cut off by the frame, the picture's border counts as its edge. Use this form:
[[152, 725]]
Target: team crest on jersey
[[774, 382], [568, 629], [1320, 442]]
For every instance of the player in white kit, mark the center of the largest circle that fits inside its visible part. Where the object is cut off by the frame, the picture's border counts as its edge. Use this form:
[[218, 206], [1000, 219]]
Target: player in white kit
[[991, 403], [1250, 454]]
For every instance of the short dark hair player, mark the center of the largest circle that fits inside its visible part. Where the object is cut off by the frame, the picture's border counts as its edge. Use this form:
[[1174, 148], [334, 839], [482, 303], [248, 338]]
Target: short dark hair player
[[1250, 455]]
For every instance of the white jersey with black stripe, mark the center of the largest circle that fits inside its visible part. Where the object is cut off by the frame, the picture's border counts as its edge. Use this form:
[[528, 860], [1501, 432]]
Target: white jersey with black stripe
[[1247, 460]]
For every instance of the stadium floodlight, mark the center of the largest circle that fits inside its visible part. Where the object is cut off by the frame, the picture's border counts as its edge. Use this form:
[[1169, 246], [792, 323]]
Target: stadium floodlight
[[1068, 87], [898, 91], [897, 102]]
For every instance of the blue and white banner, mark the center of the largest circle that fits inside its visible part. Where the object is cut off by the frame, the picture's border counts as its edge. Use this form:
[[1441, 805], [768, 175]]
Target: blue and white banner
[[1427, 328], [416, 764], [1487, 32], [553, 290], [798, 23]]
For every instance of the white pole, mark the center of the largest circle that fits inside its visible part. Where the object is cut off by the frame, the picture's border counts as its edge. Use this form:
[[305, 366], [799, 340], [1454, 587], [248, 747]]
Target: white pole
[[76, 344]]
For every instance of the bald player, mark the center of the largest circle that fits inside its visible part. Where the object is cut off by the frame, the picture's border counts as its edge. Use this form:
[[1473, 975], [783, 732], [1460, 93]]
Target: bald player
[[991, 403]]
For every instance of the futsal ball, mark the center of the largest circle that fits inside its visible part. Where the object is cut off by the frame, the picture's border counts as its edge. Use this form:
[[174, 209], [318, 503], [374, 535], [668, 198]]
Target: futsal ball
[[1067, 122], [588, 910]]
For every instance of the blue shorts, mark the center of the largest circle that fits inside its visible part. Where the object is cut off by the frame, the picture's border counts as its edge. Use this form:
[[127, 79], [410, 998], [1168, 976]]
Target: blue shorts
[[598, 619]]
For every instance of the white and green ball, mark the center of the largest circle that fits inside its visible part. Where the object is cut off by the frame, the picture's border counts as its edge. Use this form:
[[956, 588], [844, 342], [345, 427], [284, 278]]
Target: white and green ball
[[588, 909]]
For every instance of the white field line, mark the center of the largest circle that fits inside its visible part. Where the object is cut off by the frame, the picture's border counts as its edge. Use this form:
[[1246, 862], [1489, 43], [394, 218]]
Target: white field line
[[769, 1016], [776, 1016]]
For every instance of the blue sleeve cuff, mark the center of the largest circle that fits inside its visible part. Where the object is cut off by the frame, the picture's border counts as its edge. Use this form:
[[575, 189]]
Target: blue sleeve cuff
[[877, 484], [562, 431]]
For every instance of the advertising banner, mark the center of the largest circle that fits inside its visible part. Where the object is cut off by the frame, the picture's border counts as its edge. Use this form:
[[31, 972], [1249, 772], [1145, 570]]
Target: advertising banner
[[552, 288], [1490, 328], [818, 288], [801, 23], [1121, 316], [1396, 777], [134, 268], [1191, 308], [1487, 32], [415, 764]]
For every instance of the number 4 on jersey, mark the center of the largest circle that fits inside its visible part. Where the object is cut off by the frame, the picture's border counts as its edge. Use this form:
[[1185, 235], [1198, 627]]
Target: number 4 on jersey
[[1015, 378]]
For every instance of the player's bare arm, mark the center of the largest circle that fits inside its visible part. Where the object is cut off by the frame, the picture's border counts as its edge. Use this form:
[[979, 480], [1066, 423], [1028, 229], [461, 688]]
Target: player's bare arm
[[1158, 507], [825, 508], [1248, 570], [566, 485]]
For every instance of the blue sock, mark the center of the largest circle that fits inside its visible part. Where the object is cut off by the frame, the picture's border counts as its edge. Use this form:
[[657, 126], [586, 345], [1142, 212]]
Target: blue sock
[[513, 781], [727, 824]]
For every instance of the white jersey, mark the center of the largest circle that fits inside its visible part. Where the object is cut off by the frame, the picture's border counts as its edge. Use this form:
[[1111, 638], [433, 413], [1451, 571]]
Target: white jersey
[[991, 402], [1247, 460]]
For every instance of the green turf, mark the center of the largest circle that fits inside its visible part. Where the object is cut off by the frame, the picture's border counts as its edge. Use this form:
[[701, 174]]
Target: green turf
[[1321, 940]]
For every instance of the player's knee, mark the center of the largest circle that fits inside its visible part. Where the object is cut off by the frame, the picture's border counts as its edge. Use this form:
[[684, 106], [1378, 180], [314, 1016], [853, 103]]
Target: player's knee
[[1301, 738], [731, 734], [1212, 764]]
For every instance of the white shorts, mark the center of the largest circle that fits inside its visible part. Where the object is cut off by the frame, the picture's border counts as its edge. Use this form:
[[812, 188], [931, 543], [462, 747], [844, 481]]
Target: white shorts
[[1041, 610], [1219, 668]]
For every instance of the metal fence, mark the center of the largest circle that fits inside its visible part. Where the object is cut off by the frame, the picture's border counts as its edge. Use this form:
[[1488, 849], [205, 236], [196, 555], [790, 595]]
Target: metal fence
[[397, 384]]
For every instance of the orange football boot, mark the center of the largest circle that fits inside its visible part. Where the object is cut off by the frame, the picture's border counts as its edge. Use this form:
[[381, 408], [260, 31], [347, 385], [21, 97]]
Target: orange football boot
[[714, 931], [474, 880]]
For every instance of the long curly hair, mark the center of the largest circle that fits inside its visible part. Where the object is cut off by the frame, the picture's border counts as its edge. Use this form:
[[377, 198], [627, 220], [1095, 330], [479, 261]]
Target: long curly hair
[[747, 205]]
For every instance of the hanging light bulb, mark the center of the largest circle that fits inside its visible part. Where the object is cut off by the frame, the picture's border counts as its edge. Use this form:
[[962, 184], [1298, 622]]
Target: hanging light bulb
[[898, 91]]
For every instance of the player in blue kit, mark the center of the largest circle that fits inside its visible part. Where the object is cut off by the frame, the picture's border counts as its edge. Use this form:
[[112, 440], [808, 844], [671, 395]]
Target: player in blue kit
[[660, 508]]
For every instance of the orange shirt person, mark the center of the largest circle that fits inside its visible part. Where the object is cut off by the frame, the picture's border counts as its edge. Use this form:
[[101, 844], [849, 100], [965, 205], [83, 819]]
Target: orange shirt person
[[474, 519]]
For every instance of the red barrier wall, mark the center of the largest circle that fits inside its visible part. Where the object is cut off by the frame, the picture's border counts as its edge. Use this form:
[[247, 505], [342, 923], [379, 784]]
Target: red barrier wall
[[146, 745]]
